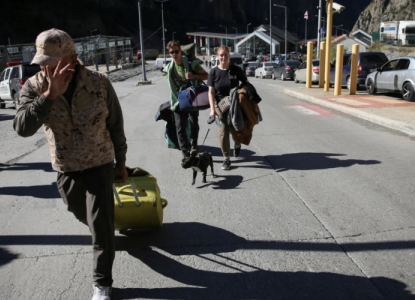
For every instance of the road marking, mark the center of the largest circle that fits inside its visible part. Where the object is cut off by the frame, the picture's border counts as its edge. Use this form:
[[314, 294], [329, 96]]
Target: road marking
[[348, 101], [310, 110]]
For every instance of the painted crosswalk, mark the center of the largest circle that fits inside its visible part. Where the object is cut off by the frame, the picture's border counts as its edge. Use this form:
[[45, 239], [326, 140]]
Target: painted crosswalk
[[310, 110]]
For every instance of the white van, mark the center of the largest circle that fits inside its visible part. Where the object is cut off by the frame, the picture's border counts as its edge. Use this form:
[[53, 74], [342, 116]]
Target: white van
[[12, 79], [160, 62]]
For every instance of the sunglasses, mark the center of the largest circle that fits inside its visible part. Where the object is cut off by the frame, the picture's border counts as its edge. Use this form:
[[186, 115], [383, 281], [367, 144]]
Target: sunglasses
[[174, 52]]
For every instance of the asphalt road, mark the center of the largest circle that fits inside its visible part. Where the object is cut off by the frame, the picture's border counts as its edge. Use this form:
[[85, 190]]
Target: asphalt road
[[318, 206]]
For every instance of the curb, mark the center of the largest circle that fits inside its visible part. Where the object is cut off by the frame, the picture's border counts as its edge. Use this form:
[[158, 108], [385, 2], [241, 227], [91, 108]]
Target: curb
[[385, 122]]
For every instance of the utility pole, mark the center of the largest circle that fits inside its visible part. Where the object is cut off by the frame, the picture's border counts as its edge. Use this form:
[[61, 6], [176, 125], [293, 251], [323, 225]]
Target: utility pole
[[270, 31], [162, 24], [143, 61], [318, 29]]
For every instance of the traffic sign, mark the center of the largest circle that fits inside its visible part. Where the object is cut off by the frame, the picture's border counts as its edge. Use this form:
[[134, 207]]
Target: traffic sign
[[322, 30]]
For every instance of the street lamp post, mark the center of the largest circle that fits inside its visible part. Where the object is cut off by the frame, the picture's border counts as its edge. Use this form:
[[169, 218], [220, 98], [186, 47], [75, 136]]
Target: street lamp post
[[246, 43], [143, 62], [162, 24], [270, 31], [172, 35], [226, 30], [318, 30], [337, 27], [234, 41], [285, 27]]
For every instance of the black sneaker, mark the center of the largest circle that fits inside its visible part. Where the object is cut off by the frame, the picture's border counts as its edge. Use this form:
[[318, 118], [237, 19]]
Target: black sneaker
[[226, 164], [237, 151]]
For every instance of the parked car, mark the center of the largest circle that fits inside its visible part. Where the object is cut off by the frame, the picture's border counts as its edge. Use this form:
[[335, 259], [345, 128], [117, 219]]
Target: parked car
[[250, 69], [301, 73], [264, 69], [12, 80], [160, 63], [250, 58], [367, 63], [397, 75], [285, 69]]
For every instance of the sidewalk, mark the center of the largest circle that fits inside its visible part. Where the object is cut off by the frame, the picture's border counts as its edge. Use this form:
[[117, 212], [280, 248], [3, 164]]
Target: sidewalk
[[386, 110]]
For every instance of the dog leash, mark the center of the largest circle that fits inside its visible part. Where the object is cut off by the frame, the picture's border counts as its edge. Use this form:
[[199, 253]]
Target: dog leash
[[206, 136]]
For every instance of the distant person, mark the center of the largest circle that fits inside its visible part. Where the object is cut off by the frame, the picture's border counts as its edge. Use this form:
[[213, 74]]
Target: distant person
[[277, 59], [179, 72], [84, 126], [206, 63], [210, 64]]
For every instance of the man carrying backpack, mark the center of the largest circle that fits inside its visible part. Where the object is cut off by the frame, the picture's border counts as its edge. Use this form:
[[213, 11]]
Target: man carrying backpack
[[179, 71]]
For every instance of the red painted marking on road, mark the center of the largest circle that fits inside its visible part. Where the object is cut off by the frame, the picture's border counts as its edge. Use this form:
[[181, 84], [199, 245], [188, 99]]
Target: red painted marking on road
[[367, 101], [315, 110]]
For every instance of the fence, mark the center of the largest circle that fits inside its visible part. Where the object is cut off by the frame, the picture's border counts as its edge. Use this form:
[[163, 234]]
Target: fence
[[388, 39], [112, 51]]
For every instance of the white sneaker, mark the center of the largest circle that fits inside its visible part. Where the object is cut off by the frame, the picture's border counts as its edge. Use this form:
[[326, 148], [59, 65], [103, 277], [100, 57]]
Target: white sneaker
[[101, 292]]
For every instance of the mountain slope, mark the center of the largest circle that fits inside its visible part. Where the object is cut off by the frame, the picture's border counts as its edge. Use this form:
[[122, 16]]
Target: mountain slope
[[384, 10]]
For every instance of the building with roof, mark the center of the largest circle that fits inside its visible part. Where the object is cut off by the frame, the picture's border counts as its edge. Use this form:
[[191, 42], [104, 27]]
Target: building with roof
[[257, 42]]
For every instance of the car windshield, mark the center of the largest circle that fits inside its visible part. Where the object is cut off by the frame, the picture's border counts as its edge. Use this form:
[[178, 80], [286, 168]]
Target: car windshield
[[30, 70], [373, 58], [236, 61], [269, 64], [293, 63]]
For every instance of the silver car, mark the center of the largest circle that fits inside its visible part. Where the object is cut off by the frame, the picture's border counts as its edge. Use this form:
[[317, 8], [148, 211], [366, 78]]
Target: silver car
[[301, 72], [397, 75], [265, 69]]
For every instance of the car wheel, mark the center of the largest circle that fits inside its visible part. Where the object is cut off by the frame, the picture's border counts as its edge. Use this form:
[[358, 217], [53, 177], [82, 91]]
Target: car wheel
[[282, 77], [408, 92], [295, 79], [370, 87], [348, 80], [2, 105]]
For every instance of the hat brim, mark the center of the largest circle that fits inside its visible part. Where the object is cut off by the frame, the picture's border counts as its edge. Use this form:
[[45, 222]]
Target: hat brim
[[46, 60]]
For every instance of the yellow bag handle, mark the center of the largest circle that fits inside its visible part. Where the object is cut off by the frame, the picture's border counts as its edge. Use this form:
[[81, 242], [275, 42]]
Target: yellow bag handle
[[133, 188]]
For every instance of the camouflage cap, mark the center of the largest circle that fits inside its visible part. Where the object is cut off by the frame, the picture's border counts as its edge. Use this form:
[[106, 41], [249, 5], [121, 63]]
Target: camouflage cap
[[51, 46]]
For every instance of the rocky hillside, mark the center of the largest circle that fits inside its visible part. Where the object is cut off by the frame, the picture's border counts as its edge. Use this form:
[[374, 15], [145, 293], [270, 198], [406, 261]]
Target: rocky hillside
[[384, 10]]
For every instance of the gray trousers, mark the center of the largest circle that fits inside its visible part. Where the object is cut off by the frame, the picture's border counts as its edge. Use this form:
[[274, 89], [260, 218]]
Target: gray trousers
[[223, 132], [89, 196]]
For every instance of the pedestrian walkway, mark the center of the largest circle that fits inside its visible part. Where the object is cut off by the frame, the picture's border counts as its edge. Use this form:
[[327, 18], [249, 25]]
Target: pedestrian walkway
[[386, 110]]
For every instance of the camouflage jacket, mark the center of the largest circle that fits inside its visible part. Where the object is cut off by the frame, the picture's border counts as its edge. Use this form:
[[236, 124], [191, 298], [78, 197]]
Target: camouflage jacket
[[85, 134]]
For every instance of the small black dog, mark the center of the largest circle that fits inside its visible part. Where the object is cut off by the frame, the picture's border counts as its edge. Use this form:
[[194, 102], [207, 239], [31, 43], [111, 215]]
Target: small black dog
[[199, 163]]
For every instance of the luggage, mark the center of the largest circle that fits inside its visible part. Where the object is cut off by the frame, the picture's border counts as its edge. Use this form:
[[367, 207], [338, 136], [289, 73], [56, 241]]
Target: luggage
[[137, 201], [194, 98], [171, 135], [170, 132]]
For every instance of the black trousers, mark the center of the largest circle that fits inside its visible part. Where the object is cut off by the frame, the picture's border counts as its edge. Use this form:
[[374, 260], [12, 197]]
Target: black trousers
[[180, 119], [89, 196]]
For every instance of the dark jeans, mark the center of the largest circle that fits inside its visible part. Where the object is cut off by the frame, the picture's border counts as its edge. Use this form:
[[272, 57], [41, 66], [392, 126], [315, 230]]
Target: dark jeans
[[89, 196], [180, 119]]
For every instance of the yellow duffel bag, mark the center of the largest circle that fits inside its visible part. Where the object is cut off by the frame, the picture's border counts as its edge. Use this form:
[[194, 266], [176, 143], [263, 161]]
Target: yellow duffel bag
[[137, 201]]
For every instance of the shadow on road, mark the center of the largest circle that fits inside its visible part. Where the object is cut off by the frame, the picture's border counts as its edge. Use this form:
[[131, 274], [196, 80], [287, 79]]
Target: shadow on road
[[47, 167], [6, 117], [37, 191], [313, 161], [241, 280], [291, 161]]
